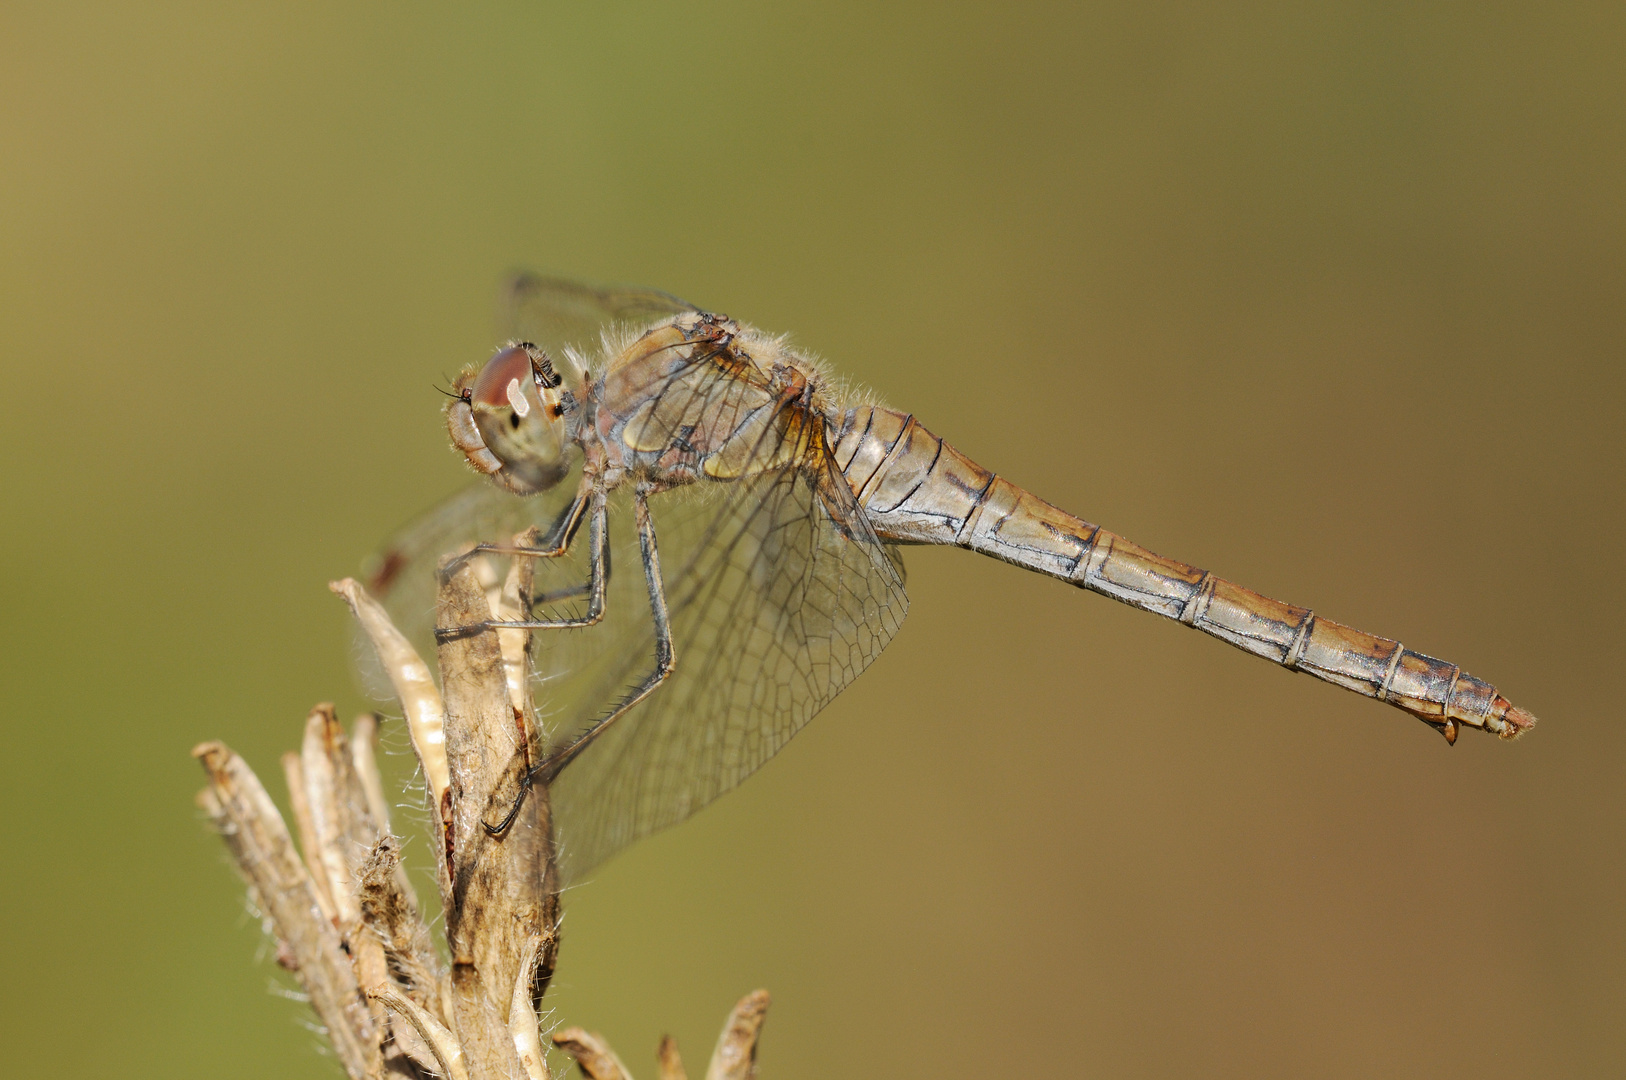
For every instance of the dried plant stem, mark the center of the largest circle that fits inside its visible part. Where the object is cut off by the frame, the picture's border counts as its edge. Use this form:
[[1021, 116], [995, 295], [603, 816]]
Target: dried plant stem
[[343, 913]]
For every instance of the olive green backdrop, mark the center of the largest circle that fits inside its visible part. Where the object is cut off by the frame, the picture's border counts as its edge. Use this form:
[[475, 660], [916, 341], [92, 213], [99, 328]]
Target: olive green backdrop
[[1327, 298]]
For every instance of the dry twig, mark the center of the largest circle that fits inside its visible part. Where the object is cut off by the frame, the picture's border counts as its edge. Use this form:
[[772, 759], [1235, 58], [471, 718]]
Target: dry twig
[[344, 916]]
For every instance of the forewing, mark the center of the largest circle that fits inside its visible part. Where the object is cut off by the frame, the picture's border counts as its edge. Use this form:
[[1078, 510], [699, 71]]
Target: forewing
[[776, 607], [780, 594], [557, 313]]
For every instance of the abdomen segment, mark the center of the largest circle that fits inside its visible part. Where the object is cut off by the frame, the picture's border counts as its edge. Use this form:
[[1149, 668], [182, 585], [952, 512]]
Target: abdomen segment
[[917, 489]]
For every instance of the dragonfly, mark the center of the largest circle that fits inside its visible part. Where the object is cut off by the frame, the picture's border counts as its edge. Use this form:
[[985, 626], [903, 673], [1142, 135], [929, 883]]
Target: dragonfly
[[764, 506]]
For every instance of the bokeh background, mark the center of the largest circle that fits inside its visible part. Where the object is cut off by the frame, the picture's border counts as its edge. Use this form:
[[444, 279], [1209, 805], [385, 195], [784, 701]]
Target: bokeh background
[[1327, 298]]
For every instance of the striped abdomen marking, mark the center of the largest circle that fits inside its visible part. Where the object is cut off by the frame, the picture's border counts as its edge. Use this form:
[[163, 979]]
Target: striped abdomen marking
[[918, 489]]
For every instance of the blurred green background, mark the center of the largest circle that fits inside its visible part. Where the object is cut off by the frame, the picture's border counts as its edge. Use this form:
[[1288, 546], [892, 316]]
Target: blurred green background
[[1327, 298]]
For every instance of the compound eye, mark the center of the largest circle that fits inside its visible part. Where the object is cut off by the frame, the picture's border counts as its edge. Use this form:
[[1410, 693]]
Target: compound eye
[[504, 381]]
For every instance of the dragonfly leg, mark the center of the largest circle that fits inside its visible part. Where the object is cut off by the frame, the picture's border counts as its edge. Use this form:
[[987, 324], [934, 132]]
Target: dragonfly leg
[[598, 559], [665, 657], [526, 779], [574, 592], [560, 536], [664, 662]]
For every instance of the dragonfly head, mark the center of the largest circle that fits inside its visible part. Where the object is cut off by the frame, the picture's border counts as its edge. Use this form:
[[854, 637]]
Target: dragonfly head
[[509, 419]]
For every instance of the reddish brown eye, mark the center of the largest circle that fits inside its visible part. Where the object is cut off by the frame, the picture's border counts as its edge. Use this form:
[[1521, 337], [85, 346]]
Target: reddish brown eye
[[510, 365]]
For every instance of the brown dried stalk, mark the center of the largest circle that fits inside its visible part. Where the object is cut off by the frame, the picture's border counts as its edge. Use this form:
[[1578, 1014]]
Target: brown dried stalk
[[346, 921]]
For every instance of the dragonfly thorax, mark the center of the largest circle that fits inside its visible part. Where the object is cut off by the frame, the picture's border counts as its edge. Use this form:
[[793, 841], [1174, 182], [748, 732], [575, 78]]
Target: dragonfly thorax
[[511, 419]]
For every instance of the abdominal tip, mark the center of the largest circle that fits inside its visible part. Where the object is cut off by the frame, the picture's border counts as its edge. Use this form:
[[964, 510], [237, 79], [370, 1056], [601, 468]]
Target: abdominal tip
[[1516, 722]]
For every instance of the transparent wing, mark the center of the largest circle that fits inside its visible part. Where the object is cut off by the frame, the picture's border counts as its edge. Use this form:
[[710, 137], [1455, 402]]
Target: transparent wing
[[779, 593], [776, 607], [557, 313]]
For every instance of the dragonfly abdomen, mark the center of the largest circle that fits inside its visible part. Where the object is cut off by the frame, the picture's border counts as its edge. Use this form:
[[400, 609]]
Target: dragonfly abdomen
[[918, 489]]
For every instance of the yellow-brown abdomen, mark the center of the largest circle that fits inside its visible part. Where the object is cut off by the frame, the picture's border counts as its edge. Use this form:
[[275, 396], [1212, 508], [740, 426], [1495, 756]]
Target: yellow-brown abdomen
[[917, 489]]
